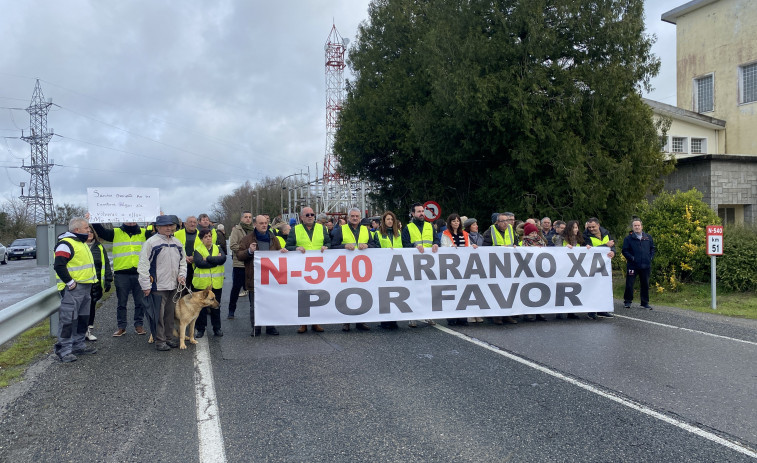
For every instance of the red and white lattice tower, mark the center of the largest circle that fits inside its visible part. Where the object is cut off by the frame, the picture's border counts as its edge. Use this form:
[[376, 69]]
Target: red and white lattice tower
[[335, 50]]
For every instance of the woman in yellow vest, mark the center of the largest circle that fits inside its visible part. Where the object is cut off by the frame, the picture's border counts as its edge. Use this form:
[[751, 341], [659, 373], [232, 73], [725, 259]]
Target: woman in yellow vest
[[387, 236], [208, 264]]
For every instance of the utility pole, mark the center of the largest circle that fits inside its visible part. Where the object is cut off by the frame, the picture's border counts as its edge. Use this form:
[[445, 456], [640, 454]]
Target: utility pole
[[39, 197]]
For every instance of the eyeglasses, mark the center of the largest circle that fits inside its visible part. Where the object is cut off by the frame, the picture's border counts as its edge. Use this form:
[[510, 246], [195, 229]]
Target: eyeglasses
[[309, 215]]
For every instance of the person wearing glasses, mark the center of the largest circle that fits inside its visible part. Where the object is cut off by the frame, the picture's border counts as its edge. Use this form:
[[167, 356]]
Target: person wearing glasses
[[308, 235], [352, 236], [501, 233]]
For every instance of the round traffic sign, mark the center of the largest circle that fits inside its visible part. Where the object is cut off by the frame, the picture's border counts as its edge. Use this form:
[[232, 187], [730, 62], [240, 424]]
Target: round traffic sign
[[432, 210]]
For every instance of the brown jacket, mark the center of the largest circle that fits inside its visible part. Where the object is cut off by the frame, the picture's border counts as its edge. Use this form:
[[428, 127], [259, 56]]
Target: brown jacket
[[244, 256]]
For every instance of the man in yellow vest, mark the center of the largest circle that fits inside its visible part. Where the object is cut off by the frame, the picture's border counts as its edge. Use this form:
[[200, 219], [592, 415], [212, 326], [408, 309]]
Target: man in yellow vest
[[75, 269], [501, 233], [352, 236], [420, 235], [596, 235], [127, 244], [308, 236]]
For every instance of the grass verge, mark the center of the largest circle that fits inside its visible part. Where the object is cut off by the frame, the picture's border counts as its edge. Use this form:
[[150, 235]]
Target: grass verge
[[697, 297], [19, 354]]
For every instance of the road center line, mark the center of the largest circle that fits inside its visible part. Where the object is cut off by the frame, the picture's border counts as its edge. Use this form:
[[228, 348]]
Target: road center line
[[208, 422], [623, 401], [685, 329]]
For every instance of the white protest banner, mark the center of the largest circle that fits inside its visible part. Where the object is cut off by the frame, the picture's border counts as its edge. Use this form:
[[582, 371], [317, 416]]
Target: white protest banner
[[340, 286], [123, 204]]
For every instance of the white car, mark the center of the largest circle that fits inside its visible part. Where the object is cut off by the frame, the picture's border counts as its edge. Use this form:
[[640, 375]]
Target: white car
[[3, 254]]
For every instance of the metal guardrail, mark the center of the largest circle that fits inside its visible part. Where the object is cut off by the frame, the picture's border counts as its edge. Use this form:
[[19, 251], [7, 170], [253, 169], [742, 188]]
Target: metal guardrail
[[22, 315]]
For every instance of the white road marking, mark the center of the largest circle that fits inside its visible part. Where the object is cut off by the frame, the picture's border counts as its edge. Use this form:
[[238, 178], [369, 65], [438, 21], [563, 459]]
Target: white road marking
[[208, 422], [615, 398], [685, 329]]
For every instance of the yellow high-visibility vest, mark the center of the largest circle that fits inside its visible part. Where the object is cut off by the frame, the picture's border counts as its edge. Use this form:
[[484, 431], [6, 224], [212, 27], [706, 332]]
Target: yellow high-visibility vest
[[304, 240], [204, 277], [81, 267], [349, 238], [126, 249]]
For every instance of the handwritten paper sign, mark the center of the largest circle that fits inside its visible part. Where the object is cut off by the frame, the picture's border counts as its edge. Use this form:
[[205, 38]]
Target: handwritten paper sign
[[122, 204]]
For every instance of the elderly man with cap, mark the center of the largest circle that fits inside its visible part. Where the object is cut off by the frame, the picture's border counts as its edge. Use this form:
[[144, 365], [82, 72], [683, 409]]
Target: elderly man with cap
[[162, 266]]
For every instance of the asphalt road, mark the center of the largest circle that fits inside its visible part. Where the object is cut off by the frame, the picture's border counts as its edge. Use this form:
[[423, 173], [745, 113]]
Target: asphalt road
[[20, 279], [681, 388]]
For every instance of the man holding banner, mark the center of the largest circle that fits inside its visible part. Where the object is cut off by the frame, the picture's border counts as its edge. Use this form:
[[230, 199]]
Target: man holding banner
[[308, 236], [420, 235]]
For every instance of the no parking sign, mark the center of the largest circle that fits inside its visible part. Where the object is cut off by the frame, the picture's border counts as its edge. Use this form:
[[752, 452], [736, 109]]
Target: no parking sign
[[432, 210]]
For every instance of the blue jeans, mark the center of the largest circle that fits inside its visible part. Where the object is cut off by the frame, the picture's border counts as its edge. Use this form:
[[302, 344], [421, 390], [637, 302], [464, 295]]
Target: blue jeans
[[126, 284]]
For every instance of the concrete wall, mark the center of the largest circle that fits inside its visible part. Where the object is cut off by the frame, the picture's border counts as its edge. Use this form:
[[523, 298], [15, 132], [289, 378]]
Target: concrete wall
[[725, 181], [717, 39]]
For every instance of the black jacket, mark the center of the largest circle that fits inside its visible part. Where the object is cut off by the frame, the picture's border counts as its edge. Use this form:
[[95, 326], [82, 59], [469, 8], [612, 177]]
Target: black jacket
[[638, 252]]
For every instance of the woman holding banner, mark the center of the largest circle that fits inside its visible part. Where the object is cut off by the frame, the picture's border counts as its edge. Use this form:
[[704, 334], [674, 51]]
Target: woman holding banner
[[388, 236]]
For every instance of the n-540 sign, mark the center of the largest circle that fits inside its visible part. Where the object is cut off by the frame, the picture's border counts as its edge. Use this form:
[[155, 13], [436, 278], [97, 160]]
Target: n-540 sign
[[714, 240]]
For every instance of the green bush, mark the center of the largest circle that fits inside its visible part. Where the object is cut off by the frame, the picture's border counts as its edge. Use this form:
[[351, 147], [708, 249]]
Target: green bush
[[677, 223], [737, 267]]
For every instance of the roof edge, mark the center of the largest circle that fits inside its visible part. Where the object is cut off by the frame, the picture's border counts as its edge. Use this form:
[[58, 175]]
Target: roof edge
[[673, 15]]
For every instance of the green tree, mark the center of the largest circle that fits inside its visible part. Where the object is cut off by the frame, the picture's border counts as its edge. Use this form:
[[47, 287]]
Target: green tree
[[65, 212], [677, 222], [484, 106]]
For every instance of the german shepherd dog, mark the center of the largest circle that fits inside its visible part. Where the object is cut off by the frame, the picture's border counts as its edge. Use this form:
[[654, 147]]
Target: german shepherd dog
[[187, 310]]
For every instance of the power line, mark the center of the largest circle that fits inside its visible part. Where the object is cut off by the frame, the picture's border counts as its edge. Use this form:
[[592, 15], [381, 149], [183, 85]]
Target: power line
[[147, 156]]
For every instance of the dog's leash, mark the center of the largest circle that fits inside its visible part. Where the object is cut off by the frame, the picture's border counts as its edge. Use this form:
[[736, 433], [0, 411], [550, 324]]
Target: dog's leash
[[179, 290]]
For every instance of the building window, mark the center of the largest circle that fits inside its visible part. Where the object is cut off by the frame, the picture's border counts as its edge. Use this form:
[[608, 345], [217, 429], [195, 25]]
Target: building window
[[748, 83], [727, 215], [703, 94], [699, 145], [679, 145]]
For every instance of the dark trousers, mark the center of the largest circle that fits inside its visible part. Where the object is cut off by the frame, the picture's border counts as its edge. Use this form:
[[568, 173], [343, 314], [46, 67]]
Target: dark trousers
[[237, 275], [215, 314], [128, 284], [73, 316], [643, 285]]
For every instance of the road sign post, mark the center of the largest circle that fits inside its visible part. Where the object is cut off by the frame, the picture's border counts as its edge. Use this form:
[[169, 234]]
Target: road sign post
[[714, 249]]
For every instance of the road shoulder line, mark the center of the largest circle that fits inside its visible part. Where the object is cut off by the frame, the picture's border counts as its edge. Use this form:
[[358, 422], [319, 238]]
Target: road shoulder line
[[209, 433], [615, 398]]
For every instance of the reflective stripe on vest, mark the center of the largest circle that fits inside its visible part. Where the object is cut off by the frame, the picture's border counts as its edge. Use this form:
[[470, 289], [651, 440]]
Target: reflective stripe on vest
[[426, 238], [387, 242], [204, 277], [498, 239], [81, 267], [349, 238], [102, 264], [304, 240], [599, 242], [126, 249]]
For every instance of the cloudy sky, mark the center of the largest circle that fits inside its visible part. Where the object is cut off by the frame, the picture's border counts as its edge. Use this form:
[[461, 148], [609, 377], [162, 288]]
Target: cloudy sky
[[191, 97]]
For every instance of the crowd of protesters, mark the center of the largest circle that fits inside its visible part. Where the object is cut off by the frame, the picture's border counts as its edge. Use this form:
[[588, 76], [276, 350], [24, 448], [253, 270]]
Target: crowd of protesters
[[84, 269]]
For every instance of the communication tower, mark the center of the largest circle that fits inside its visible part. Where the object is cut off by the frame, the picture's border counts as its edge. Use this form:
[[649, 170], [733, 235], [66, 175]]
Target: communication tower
[[39, 198]]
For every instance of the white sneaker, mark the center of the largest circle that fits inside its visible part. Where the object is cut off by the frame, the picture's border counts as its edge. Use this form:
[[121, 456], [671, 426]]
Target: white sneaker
[[243, 293], [89, 336], [412, 324]]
